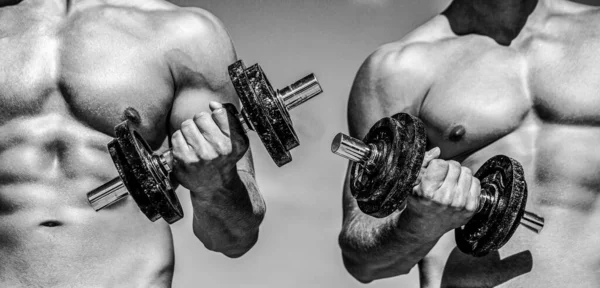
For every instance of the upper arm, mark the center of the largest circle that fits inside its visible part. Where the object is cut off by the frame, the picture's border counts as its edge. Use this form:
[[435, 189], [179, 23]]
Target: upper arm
[[199, 59], [393, 79]]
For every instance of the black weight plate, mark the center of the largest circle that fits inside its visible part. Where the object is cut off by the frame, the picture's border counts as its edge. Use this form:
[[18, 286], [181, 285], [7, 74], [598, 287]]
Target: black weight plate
[[495, 224], [380, 190], [154, 183], [413, 160], [130, 182], [517, 200], [275, 110], [256, 115]]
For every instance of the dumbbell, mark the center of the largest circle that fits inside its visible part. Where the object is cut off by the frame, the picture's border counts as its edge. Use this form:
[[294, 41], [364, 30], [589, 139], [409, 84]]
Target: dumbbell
[[144, 175], [386, 165]]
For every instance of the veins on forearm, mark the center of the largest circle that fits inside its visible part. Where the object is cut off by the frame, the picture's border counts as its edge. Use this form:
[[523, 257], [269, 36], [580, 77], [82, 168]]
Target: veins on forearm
[[229, 218], [383, 244]]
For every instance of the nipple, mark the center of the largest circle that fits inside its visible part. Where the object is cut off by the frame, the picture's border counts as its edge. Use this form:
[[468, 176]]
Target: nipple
[[132, 115], [457, 133]]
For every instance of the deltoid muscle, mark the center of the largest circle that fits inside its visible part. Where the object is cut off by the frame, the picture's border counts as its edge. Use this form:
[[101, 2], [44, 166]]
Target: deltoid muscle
[[144, 175]]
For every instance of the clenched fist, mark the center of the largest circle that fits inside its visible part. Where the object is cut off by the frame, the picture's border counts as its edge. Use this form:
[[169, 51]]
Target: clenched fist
[[207, 147], [447, 194]]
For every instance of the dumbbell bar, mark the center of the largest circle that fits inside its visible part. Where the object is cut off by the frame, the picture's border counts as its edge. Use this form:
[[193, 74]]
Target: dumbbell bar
[[145, 175], [397, 144], [357, 151]]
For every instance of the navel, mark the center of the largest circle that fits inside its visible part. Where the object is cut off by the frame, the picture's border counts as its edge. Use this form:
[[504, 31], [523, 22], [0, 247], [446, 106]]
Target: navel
[[457, 133], [51, 224]]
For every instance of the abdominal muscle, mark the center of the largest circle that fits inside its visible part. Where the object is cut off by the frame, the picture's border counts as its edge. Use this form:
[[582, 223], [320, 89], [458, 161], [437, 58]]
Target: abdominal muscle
[[49, 234], [562, 170]]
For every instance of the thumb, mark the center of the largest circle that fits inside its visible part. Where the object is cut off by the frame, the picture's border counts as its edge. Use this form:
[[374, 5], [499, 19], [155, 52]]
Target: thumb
[[238, 136], [429, 155]]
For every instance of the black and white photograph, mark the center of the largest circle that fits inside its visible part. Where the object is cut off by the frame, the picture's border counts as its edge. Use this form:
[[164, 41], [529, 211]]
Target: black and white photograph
[[299, 143]]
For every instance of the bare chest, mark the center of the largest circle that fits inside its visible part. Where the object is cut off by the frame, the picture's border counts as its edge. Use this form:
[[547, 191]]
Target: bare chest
[[90, 65], [565, 75], [485, 93]]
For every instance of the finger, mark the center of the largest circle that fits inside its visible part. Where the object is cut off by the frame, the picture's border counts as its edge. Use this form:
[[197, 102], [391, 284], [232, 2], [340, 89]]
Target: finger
[[214, 105], [219, 143], [437, 171], [219, 116], [207, 126], [434, 178], [451, 179], [192, 135], [472, 203], [463, 188], [239, 138], [233, 118], [429, 155], [182, 153], [448, 187]]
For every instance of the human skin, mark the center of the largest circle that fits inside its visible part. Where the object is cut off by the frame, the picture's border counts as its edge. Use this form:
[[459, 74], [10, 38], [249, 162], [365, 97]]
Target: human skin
[[71, 71], [523, 84]]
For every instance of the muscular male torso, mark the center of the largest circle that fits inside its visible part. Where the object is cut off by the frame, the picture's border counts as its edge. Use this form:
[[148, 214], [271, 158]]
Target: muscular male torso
[[535, 100], [69, 71]]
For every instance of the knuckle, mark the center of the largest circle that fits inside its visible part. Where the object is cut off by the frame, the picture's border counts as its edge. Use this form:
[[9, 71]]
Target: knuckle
[[438, 163], [187, 123], [426, 190], [189, 162], [208, 155], [476, 186], [184, 161], [466, 170], [453, 163], [471, 207], [445, 196], [175, 135], [457, 207], [429, 185], [459, 201], [223, 147], [428, 193], [201, 117]]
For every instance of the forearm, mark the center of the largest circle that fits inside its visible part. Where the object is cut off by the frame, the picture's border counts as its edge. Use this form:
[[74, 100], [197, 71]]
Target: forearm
[[380, 248], [227, 215]]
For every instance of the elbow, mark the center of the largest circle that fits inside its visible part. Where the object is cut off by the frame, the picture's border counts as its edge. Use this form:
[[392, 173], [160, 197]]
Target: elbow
[[355, 260], [238, 250], [361, 262], [367, 272], [232, 239], [232, 247], [359, 271]]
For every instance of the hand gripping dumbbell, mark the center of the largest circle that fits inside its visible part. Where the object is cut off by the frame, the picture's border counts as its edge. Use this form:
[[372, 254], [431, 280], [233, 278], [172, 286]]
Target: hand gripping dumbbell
[[386, 165], [145, 175]]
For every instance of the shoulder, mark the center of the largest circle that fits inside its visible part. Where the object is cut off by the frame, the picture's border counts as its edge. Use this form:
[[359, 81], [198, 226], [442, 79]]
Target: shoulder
[[197, 46], [190, 23], [396, 76], [414, 52], [414, 55], [192, 31], [192, 27]]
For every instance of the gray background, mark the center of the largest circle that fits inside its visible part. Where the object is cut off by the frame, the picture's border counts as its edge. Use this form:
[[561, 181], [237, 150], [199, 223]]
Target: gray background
[[298, 239], [298, 246]]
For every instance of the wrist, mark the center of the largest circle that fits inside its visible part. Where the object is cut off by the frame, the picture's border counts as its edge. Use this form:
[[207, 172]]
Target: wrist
[[421, 227], [223, 184]]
